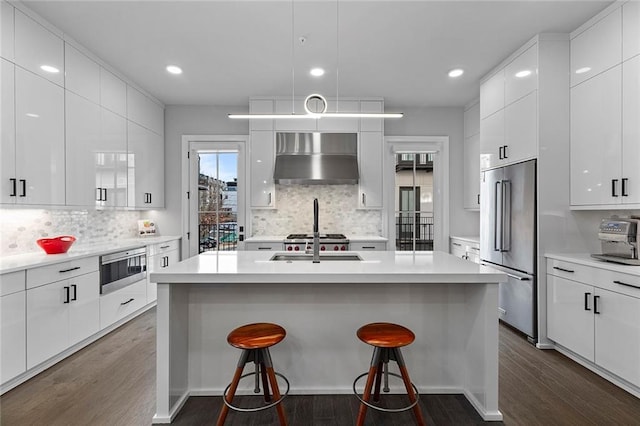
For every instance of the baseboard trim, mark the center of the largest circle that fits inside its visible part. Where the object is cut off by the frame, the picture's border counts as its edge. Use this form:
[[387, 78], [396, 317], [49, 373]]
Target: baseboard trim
[[488, 416], [173, 412]]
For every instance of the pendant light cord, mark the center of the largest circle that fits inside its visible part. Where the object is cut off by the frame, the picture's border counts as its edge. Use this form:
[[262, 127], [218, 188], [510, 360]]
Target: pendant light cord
[[337, 54], [293, 62]]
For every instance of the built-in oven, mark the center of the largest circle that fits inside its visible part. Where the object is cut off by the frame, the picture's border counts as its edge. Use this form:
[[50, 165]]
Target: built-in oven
[[118, 270]]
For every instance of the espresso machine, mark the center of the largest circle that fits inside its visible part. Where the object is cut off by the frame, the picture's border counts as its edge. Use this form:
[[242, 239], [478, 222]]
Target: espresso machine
[[619, 240]]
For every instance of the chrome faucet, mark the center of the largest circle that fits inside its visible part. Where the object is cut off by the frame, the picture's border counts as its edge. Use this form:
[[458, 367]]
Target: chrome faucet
[[316, 234]]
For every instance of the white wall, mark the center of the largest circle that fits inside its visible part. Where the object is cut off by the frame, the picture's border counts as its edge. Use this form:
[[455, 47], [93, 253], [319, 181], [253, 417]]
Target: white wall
[[444, 121], [189, 120]]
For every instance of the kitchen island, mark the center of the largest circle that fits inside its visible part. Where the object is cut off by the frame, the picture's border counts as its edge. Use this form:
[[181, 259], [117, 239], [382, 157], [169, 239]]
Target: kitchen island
[[450, 304]]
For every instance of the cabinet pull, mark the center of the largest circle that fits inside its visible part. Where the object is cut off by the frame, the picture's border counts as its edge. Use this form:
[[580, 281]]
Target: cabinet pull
[[624, 187], [166, 261], [150, 199], [127, 302], [623, 283], [586, 301], [98, 194], [69, 270], [66, 294], [364, 199], [75, 292], [478, 198], [164, 247], [500, 153], [14, 187], [595, 304], [368, 248], [264, 248], [504, 152], [614, 185], [269, 201], [515, 277], [457, 244], [24, 187], [563, 270], [104, 198]]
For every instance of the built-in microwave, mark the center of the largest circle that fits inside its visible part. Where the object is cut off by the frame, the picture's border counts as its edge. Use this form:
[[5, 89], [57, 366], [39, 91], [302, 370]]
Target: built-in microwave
[[118, 270]]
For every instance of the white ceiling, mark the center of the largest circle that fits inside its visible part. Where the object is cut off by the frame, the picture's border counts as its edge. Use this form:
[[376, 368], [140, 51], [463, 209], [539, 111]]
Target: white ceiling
[[231, 50]]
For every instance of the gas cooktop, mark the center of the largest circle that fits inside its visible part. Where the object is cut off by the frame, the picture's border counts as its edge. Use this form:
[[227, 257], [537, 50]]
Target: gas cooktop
[[322, 237]]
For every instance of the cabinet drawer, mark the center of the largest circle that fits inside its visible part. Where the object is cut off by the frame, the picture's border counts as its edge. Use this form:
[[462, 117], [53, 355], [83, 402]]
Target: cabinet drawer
[[571, 271], [164, 247], [618, 282], [12, 282], [264, 246], [365, 246], [117, 305], [61, 271]]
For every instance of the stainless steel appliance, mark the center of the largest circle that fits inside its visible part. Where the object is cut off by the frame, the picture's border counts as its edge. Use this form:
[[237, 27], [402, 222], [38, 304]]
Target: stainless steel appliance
[[328, 242], [619, 240], [508, 240], [118, 270]]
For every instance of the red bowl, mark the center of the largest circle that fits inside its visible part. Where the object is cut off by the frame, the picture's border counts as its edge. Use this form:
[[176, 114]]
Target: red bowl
[[57, 244]]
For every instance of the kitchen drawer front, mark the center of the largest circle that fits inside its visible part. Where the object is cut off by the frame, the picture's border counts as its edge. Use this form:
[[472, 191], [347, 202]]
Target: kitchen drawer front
[[12, 282], [571, 271], [367, 246], [164, 247], [264, 246], [117, 305], [61, 271], [618, 282]]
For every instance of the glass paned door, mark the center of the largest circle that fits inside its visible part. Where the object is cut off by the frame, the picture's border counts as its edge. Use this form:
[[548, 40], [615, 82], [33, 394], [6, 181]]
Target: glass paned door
[[414, 198]]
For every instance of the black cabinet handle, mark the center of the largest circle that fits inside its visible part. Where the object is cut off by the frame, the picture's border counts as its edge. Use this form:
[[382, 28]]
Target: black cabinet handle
[[595, 304], [14, 187], [586, 301], [478, 198], [127, 302], [164, 247], [614, 185], [149, 198], [500, 153], [623, 283], [66, 294], [457, 244], [75, 292], [264, 248], [104, 197], [69, 270], [624, 187], [368, 248], [504, 152], [563, 270], [23, 182], [98, 194]]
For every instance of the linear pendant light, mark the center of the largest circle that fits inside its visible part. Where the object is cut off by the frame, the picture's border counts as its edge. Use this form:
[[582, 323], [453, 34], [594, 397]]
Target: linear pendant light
[[316, 115]]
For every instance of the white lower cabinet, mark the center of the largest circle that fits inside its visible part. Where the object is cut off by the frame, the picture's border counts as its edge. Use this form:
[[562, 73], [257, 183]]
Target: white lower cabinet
[[465, 249], [121, 303], [599, 319], [61, 314], [13, 338]]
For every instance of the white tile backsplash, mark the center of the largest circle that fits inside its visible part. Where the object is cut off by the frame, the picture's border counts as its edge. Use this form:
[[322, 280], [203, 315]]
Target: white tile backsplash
[[20, 228], [338, 213]]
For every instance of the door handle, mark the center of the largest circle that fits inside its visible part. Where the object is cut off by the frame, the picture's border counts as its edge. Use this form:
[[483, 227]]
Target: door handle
[[519, 278], [127, 302], [66, 294], [500, 153], [624, 187], [495, 219], [23, 182], [104, 198], [478, 198], [14, 188], [614, 185], [98, 194], [75, 292], [504, 152], [625, 284], [563, 270], [586, 301], [505, 243], [595, 304]]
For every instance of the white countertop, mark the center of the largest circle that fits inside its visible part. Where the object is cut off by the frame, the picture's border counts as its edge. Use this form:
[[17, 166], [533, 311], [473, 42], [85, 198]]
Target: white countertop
[[587, 260], [376, 267], [471, 239], [36, 259]]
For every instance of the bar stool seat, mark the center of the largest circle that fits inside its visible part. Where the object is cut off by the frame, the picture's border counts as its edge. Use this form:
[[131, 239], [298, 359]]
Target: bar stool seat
[[255, 341], [386, 339]]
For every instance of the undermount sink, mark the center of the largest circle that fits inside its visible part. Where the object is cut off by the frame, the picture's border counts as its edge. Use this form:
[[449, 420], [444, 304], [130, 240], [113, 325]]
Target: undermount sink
[[285, 257]]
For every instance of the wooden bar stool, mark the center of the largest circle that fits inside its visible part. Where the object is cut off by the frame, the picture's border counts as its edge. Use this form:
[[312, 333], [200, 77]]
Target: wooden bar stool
[[255, 340], [386, 339]]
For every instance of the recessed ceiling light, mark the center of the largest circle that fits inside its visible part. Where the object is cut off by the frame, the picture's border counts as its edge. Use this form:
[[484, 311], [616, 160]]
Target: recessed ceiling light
[[49, 68], [456, 73], [523, 73], [174, 69], [583, 70], [317, 72]]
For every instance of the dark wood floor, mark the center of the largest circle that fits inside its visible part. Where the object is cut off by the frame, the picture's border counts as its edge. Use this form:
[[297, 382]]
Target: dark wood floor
[[112, 382]]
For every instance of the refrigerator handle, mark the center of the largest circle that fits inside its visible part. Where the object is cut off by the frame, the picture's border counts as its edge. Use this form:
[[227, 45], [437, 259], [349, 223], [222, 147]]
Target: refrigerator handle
[[505, 243], [497, 216]]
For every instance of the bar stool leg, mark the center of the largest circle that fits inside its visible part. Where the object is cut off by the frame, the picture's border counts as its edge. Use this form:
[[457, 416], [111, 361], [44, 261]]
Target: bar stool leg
[[407, 384], [376, 387], [234, 386], [265, 384], [373, 371], [274, 385]]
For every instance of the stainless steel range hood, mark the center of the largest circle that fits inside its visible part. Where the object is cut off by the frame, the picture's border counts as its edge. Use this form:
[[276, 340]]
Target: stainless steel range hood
[[316, 158]]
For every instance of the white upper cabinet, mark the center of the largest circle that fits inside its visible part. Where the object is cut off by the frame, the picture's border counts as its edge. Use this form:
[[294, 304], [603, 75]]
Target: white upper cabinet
[[631, 131], [371, 124], [9, 181], [597, 48], [596, 140], [38, 49], [113, 93], [261, 169], [492, 94], [370, 165], [145, 176], [340, 124], [521, 75], [491, 139], [472, 157], [6, 31], [111, 160], [40, 166], [82, 75], [521, 129], [630, 29], [82, 151], [142, 110], [261, 106], [286, 106], [472, 120]]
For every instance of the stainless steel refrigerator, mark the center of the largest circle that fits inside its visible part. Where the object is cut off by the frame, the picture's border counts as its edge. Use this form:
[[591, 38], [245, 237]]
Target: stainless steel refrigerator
[[508, 240]]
